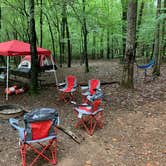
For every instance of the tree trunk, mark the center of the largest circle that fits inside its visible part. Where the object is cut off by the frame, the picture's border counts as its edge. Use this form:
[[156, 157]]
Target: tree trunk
[[108, 43], [124, 20], [68, 44], [156, 70], [0, 16], [139, 21], [34, 58], [82, 48], [101, 46], [52, 36], [85, 35], [128, 68], [94, 46], [41, 23], [63, 22], [112, 47], [163, 41]]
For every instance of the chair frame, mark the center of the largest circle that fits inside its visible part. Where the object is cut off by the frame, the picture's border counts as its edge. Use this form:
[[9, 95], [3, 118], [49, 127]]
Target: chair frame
[[51, 146], [47, 140], [90, 119]]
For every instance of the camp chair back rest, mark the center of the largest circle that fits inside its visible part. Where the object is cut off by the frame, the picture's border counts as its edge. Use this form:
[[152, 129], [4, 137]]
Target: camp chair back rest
[[96, 104], [93, 84], [40, 123], [71, 81]]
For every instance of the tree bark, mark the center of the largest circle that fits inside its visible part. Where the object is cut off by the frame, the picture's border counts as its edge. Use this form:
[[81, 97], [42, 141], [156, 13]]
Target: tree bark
[[63, 22], [41, 23], [52, 36], [94, 46], [108, 43], [139, 22], [124, 27], [68, 44], [156, 70], [85, 35], [34, 58], [101, 46], [0, 16], [128, 68], [163, 41]]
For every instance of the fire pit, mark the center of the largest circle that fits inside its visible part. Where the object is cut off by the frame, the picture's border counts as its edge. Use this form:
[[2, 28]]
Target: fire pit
[[10, 111]]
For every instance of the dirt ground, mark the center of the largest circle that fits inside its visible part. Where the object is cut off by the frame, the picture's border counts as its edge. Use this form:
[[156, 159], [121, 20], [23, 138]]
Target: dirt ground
[[134, 132]]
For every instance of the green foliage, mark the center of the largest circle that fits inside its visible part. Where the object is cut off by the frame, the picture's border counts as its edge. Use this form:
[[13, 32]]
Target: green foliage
[[100, 16]]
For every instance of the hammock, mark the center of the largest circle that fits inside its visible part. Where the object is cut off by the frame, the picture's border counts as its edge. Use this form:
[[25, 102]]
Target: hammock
[[146, 66]]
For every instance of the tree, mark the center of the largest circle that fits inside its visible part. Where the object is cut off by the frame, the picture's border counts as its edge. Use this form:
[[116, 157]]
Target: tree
[[128, 68], [163, 40], [156, 70], [85, 35], [124, 20], [34, 58]]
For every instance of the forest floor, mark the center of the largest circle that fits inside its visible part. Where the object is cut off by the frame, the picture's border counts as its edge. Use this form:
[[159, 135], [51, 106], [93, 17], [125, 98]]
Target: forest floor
[[134, 132]]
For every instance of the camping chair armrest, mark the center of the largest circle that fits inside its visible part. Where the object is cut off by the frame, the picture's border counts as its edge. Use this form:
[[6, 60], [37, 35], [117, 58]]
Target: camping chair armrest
[[97, 89], [14, 123], [84, 87], [79, 105], [62, 84]]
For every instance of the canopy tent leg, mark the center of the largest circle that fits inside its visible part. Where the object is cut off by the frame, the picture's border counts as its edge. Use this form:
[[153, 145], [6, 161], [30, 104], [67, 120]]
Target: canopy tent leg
[[55, 75], [7, 77]]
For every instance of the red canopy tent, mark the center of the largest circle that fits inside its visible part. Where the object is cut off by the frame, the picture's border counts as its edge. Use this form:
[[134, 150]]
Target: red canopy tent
[[19, 48]]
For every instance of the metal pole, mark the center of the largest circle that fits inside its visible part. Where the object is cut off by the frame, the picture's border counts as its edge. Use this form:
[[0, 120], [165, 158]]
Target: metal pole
[[54, 71], [7, 77]]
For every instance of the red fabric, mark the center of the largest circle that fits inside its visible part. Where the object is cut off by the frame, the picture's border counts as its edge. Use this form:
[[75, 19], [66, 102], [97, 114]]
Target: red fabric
[[41, 58], [96, 104], [18, 48], [40, 129], [87, 109], [70, 83], [93, 85]]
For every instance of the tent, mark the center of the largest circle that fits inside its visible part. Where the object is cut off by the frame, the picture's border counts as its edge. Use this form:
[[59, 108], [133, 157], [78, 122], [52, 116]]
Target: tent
[[43, 61], [20, 48]]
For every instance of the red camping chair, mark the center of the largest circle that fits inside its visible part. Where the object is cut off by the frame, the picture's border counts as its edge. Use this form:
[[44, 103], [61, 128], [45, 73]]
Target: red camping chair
[[93, 84], [40, 128], [69, 89], [90, 115]]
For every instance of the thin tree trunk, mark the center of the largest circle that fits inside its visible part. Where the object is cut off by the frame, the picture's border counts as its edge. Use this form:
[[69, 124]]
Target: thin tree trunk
[[85, 35], [108, 43], [101, 46], [63, 22], [34, 58], [139, 21], [82, 48], [94, 46], [41, 23], [128, 68], [156, 70], [124, 27], [112, 47], [68, 44], [52, 35], [0, 16], [163, 41]]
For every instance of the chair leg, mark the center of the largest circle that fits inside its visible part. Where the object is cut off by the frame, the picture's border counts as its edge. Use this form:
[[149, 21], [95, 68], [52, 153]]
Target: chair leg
[[54, 151], [23, 153]]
